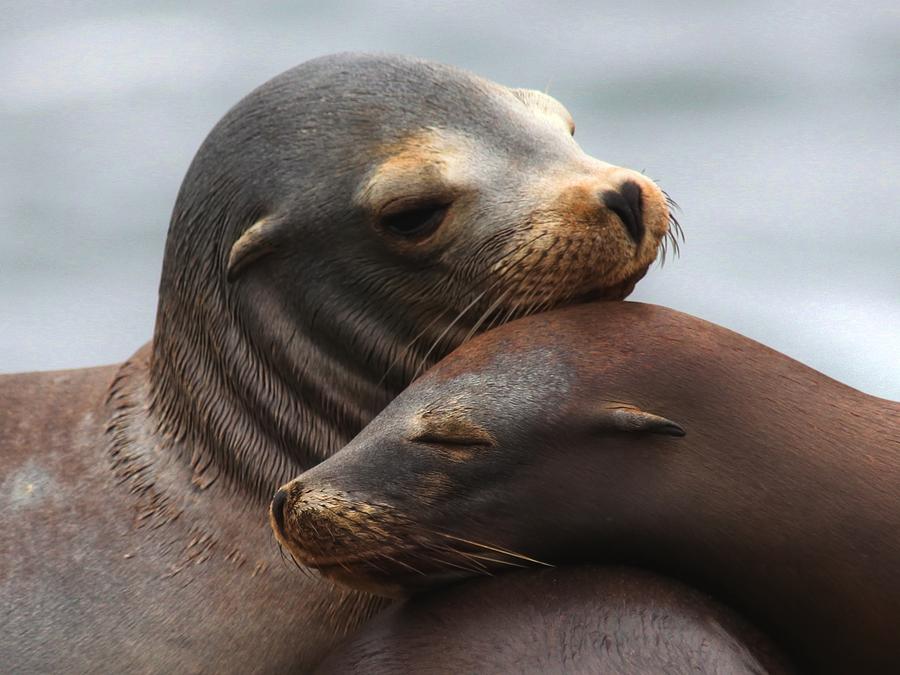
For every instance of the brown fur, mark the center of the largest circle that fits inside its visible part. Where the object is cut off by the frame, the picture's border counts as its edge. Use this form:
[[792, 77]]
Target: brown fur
[[570, 620], [782, 499], [140, 574]]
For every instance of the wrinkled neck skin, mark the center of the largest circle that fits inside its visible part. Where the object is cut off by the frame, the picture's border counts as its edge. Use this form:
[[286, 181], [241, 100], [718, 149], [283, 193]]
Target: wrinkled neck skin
[[268, 386], [208, 420], [244, 386]]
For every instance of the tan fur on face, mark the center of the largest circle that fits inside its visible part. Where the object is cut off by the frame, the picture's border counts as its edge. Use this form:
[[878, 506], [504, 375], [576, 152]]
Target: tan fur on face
[[431, 162], [567, 222], [346, 539], [451, 430], [324, 524], [575, 245], [433, 487]]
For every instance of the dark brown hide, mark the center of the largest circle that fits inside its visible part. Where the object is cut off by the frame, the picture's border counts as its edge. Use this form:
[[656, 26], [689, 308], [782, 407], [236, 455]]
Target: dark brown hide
[[613, 621], [559, 438]]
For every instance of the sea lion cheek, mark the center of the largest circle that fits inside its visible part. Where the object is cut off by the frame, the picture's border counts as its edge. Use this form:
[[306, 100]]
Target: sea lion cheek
[[591, 225]]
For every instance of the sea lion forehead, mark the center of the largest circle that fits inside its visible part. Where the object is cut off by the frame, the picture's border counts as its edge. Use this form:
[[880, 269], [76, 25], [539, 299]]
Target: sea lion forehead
[[410, 92], [497, 389]]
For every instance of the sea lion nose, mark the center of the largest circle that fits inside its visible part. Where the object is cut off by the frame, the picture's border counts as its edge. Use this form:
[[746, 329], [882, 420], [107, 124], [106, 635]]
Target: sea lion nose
[[277, 509], [626, 204]]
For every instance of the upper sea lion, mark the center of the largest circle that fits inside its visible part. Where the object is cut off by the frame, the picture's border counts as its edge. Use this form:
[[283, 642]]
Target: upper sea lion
[[630, 434], [343, 227]]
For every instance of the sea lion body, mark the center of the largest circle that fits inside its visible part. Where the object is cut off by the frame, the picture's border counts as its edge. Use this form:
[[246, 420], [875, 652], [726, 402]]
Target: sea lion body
[[86, 588], [559, 438], [575, 619], [341, 229]]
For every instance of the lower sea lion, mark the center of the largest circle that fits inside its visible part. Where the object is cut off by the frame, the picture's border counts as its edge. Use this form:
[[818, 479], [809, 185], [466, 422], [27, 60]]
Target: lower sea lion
[[341, 228], [636, 435], [574, 619]]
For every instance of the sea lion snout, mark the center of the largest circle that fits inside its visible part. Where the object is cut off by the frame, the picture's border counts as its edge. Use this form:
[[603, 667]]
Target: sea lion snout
[[317, 522], [366, 545]]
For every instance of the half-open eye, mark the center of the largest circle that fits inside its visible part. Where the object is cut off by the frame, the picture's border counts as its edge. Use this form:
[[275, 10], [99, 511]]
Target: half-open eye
[[416, 222]]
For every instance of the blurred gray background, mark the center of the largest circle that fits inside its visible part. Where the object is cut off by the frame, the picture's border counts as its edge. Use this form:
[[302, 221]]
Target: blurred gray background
[[773, 124]]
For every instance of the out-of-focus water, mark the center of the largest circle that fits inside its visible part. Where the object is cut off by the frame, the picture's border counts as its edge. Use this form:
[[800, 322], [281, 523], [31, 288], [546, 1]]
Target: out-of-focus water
[[773, 124]]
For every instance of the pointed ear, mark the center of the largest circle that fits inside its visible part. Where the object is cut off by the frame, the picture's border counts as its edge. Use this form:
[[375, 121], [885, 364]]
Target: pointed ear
[[258, 240], [626, 417]]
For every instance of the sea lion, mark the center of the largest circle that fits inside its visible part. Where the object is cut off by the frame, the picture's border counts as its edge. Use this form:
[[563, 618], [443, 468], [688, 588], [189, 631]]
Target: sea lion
[[574, 619], [629, 434], [341, 228]]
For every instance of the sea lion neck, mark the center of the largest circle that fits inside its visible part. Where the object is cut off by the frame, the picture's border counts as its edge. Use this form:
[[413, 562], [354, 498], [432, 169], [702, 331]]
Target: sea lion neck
[[232, 397], [253, 380]]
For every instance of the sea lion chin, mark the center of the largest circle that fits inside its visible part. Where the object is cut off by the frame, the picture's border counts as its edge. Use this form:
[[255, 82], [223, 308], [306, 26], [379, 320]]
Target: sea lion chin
[[627, 434]]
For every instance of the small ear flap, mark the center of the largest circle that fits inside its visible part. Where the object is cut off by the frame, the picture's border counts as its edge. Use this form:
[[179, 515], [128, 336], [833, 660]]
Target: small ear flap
[[257, 241], [624, 417]]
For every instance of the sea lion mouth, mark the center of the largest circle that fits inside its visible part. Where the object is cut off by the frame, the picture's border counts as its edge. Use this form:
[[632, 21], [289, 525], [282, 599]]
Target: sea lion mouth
[[519, 300], [389, 574], [616, 292], [423, 565], [560, 267], [385, 553]]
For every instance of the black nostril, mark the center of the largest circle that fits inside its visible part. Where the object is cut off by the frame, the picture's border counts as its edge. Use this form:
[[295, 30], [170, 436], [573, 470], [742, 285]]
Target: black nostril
[[278, 508], [626, 203]]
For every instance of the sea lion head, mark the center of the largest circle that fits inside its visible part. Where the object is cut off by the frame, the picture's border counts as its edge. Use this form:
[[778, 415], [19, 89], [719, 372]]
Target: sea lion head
[[494, 459], [354, 219]]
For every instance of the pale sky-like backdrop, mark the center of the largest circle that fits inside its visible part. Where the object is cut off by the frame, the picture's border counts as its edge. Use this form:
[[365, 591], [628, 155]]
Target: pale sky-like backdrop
[[775, 125]]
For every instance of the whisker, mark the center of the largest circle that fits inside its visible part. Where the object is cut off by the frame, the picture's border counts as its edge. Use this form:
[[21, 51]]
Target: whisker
[[371, 563], [465, 568], [547, 300], [480, 279], [500, 277], [281, 553], [305, 571], [402, 564], [674, 234], [473, 561], [493, 560], [484, 316], [447, 330], [495, 549]]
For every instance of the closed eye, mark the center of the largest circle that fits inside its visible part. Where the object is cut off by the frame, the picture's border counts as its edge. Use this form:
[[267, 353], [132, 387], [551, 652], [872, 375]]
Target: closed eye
[[478, 439], [416, 222]]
